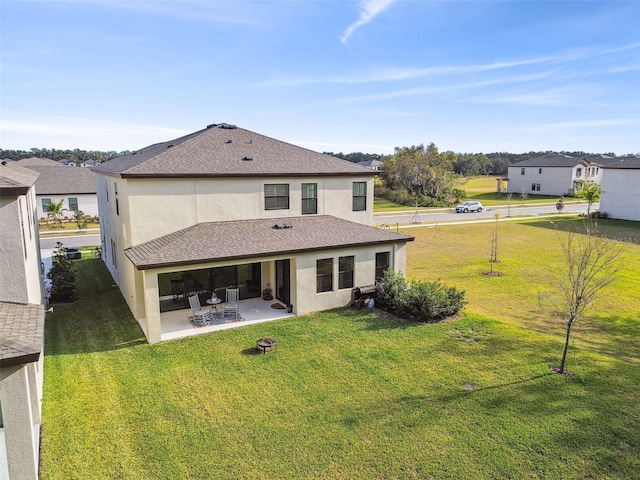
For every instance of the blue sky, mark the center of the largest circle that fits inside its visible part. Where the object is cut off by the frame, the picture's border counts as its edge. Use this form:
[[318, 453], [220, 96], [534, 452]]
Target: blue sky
[[341, 76]]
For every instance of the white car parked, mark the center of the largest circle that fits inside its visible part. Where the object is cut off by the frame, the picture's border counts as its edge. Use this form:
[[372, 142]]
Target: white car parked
[[469, 207]]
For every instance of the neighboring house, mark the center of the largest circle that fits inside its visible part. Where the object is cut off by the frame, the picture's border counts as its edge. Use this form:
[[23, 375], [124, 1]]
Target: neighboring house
[[228, 207], [555, 174], [75, 186], [372, 164], [620, 189], [21, 324]]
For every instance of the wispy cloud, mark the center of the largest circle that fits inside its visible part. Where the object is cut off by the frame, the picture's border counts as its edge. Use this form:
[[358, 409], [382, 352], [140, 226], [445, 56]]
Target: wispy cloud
[[561, 96], [392, 74], [68, 132], [369, 9], [431, 90]]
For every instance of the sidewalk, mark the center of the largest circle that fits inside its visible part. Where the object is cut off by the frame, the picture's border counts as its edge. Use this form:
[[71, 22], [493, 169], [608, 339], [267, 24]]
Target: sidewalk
[[74, 231]]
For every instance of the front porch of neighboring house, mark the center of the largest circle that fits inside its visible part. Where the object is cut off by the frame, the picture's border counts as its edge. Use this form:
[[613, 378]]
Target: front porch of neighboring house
[[251, 279]]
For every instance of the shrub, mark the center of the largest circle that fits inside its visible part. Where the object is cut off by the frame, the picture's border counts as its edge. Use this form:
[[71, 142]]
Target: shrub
[[63, 278], [421, 301]]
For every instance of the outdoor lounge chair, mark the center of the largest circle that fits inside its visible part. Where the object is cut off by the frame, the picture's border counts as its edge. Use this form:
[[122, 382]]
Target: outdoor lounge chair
[[231, 305], [200, 316]]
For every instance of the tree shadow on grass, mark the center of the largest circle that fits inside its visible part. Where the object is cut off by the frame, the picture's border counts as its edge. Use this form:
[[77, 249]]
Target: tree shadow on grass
[[99, 321]]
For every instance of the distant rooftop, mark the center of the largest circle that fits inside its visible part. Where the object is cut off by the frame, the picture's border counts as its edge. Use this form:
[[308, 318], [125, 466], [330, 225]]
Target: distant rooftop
[[62, 180], [562, 160], [223, 150]]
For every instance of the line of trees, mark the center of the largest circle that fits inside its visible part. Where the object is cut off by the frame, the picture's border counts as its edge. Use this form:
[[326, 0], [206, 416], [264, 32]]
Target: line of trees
[[76, 155]]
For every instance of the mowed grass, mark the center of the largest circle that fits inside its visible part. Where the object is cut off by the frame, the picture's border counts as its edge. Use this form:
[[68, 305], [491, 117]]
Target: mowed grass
[[357, 393], [484, 189]]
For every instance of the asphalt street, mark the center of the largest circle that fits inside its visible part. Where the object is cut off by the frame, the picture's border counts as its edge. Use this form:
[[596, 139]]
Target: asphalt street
[[448, 215], [87, 240]]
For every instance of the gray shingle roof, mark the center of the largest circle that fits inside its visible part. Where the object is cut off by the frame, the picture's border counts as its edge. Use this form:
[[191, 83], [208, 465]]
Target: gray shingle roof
[[626, 162], [550, 160], [28, 162], [562, 160], [16, 180], [224, 150], [21, 333], [61, 180], [217, 241]]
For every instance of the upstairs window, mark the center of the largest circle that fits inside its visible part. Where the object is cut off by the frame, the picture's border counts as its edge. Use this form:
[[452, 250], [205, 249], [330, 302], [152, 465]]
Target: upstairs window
[[309, 198], [276, 196], [45, 204], [359, 196], [73, 204], [522, 171], [578, 172], [539, 170]]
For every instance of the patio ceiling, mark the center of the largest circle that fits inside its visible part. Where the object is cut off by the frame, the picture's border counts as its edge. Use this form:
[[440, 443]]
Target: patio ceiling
[[245, 239]]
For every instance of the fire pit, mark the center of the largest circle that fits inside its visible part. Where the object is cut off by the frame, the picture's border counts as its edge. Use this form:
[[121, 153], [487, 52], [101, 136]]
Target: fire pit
[[266, 344]]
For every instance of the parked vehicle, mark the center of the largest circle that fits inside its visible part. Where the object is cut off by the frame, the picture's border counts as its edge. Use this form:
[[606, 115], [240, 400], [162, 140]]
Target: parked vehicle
[[73, 253], [469, 207]]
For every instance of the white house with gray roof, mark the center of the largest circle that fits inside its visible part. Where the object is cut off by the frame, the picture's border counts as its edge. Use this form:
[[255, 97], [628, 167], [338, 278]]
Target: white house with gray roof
[[555, 174], [620, 189], [75, 186], [227, 207], [21, 324]]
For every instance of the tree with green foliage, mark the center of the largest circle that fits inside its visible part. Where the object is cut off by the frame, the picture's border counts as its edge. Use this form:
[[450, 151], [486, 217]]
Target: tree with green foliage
[[63, 277], [592, 263], [55, 211], [589, 191], [81, 219]]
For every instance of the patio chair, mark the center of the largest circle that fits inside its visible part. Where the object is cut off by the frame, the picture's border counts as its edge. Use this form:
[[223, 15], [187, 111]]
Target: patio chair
[[231, 305], [177, 289], [200, 316]]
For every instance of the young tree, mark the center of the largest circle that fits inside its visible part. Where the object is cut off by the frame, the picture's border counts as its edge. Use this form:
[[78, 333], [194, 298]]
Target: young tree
[[54, 212], [592, 263], [560, 204], [589, 191], [523, 196], [63, 277], [81, 219]]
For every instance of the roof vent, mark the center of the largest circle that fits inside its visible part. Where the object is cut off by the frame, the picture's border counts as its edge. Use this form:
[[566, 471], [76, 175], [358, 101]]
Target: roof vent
[[212, 125], [247, 159], [227, 126], [170, 145], [228, 141], [133, 153], [282, 226], [4, 162]]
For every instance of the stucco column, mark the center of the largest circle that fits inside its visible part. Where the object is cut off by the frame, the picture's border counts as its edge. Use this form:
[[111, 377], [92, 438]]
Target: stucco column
[[152, 306], [20, 438]]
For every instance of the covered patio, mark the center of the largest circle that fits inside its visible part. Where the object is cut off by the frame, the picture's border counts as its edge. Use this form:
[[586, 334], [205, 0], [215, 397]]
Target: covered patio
[[176, 323]]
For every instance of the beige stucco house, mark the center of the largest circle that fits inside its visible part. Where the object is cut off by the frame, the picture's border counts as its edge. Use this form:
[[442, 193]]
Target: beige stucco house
[[21, 324], [225, 207], [620, 189], [555, 173]]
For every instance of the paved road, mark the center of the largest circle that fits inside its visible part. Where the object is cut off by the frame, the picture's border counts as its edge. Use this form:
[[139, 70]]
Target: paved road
[[489, 213], [88, 240]]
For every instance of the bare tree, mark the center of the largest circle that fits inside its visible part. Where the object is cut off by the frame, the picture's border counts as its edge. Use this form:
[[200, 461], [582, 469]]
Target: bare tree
[[592, 263]]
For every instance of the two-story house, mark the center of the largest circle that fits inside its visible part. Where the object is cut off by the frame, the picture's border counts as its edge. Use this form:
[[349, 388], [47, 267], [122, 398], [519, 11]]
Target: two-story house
[[620, 189], [21, 324], [225, 206], [555, 173]]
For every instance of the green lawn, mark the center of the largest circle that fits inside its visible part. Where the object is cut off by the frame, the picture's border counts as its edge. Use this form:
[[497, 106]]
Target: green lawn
[[356, 393]]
